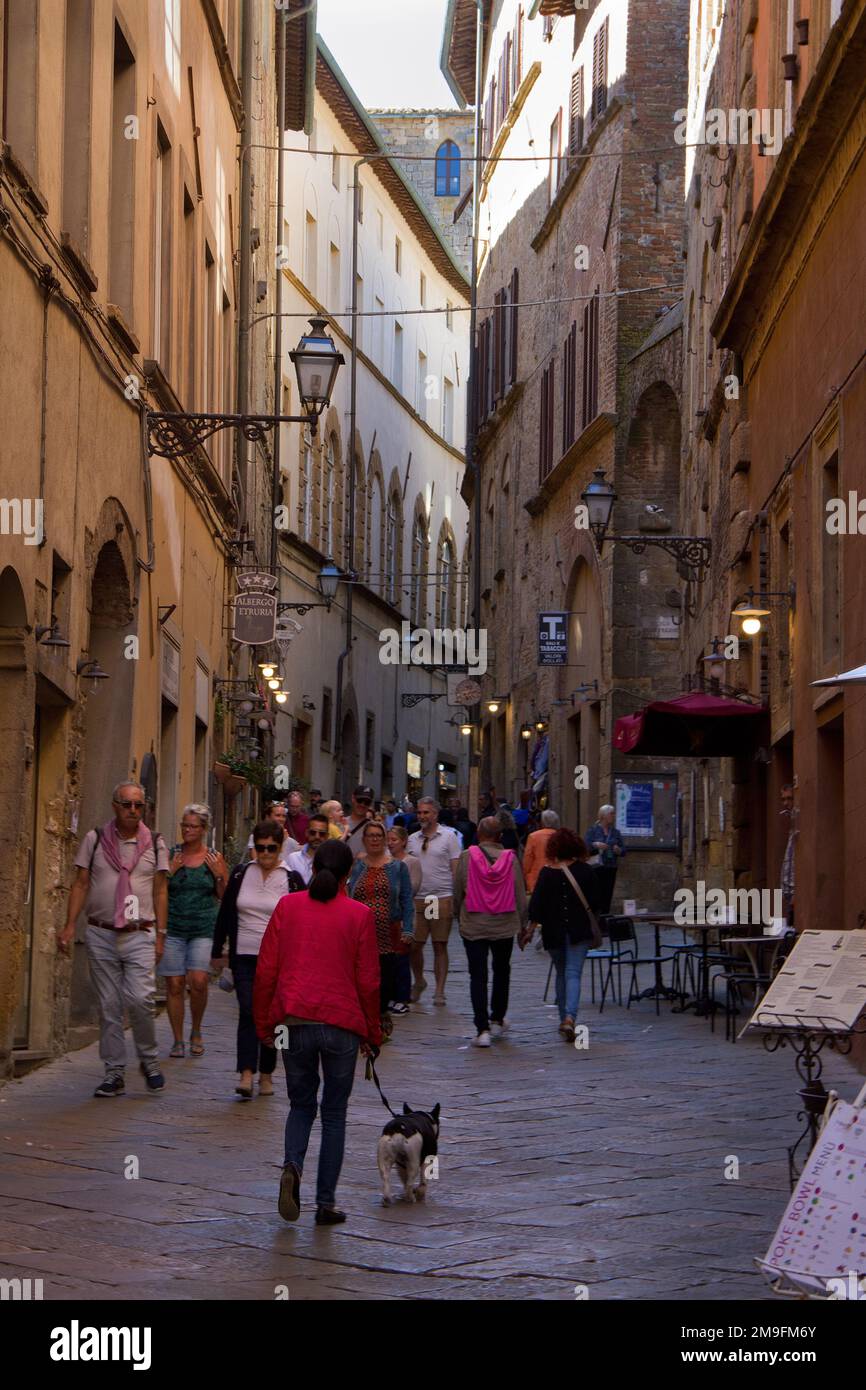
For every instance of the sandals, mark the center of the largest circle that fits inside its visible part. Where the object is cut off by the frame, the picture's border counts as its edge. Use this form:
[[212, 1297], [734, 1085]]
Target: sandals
[[245, 1092], [178, 1049], [196, 1047]]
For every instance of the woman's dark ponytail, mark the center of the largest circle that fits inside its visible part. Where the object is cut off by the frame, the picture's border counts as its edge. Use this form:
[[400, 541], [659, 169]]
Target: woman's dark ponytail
[[332, 863]]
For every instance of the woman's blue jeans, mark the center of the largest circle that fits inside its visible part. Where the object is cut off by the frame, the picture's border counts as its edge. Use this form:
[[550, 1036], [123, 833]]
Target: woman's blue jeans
[[568, 961], [336, 1050]]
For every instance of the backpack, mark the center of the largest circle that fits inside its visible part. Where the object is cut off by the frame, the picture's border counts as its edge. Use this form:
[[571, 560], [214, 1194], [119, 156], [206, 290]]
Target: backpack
[[153, 845]]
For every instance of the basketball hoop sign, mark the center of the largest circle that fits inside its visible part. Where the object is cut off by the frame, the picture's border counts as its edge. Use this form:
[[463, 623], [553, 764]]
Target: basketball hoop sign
[[255, 609]]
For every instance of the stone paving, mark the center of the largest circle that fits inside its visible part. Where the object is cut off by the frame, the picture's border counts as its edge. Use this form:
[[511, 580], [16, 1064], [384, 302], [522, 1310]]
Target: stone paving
[[558, 1167]]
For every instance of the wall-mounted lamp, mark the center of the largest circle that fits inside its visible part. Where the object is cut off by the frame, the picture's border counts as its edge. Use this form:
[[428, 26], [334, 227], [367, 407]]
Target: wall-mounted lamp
[[89, 667], [53, 638]]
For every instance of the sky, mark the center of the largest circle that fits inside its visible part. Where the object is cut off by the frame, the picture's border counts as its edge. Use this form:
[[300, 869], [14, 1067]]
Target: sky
[[388, 49]]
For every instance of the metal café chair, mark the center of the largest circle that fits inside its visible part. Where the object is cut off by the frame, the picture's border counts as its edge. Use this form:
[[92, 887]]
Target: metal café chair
[[614, 953]]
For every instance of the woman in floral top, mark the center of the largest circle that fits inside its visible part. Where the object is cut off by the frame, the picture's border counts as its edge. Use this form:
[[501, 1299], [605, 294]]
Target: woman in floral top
[[384, 886]]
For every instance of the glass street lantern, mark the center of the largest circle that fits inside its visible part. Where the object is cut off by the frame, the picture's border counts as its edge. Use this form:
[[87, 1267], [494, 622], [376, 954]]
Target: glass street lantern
[[599, 497], [329, 578], [317, 362]]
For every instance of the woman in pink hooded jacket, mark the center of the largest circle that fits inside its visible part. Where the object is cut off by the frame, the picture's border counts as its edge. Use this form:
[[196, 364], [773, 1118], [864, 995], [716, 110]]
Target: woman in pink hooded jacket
[[490, 903]]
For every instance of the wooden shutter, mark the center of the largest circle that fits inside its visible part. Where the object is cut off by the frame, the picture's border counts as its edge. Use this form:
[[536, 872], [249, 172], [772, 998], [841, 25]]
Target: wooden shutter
[[575, 126], [569, 388], [590, 359], [517, 53], [513, 296], [599, 72], [498, 345], [542, 430], [545, 456]]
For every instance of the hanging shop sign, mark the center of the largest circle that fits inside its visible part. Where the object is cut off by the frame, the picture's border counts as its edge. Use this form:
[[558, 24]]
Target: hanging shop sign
[[553, 639], [255, 609]]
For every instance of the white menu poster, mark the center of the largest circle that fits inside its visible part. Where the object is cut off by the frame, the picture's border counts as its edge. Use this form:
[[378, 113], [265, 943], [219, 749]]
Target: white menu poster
[[823, 1232], [822, 981]]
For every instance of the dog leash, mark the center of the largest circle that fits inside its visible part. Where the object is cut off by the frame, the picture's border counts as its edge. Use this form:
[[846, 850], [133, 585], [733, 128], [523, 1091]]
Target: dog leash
[[370, 1075]]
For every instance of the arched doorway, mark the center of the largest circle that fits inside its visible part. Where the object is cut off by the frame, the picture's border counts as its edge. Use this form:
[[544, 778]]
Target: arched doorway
[[107, 719], [583, 749], [16, 731], [349, 754]]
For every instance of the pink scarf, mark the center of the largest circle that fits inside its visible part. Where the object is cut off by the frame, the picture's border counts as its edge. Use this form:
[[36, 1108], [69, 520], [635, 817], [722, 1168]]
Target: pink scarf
[[490, 884], [110, 842]]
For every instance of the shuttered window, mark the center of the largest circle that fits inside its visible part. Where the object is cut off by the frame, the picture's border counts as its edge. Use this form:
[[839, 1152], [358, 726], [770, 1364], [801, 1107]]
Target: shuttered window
[[569, 388], [545, 452], [575, 113], [590, 360], [517, 52], [513, 296], [599, 72]]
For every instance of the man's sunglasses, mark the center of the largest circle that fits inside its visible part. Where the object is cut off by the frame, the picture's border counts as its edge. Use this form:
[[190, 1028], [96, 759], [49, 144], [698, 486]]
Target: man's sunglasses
[[317, 834], [364, 800], [131, 805], [264, 848]]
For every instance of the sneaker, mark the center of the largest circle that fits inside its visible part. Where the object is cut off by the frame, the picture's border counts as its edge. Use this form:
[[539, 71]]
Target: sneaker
[[154, 1079], [329, 1216], [497, 1029], [289, 1204], [111, 1086], [483, 1039], [397, 1008]]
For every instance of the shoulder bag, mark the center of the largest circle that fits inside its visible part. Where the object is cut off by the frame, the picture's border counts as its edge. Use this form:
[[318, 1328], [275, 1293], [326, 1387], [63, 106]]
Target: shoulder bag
[[593, 920]]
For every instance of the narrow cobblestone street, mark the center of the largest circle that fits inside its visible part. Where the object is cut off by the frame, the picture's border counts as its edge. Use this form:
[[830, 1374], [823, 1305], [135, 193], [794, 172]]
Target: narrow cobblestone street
[[557, 1167]]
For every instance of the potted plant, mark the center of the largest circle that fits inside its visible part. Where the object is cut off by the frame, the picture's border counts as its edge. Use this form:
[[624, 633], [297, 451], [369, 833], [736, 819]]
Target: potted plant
[[234, 771]]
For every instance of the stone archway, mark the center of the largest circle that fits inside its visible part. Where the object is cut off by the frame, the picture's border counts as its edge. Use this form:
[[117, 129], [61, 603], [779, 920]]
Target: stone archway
[[585, 648], [17, 698], [349, 756]]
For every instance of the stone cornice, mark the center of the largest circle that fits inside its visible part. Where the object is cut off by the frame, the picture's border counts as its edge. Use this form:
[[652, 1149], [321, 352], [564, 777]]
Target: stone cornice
[[603, 424]]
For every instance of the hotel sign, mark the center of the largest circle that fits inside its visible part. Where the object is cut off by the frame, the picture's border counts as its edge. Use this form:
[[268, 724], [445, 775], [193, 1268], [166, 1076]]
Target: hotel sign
[[255, 609]]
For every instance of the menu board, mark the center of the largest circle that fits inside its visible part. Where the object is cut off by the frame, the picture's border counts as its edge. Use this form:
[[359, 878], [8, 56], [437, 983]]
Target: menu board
[[823, 983], [822, 1235]]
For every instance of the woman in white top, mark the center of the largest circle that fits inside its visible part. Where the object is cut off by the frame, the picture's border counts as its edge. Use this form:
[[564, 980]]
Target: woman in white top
[[253, 891], [276, 811]]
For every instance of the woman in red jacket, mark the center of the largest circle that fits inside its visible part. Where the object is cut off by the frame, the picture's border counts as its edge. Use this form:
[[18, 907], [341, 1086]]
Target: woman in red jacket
[[317, 983]]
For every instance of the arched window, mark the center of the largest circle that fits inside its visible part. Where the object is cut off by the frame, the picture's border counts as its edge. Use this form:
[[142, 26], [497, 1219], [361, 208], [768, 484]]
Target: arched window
[[374, 532], [446, 579], [448, 170], [419, 547], [394, 522], [329, 483]]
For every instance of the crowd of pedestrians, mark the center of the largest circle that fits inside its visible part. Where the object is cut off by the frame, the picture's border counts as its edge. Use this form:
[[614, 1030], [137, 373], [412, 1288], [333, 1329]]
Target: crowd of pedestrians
[[322, 931]]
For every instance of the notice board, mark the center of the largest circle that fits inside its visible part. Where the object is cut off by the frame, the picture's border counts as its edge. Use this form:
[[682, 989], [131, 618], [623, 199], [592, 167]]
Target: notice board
[[646, 810]]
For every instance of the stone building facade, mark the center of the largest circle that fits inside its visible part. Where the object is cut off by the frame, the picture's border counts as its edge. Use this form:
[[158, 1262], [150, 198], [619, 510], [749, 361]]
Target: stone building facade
[[774, 421], [578, 369], [436, 150], [119, 201]]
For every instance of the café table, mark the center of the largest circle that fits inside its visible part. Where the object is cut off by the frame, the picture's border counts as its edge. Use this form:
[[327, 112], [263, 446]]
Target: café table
[[657, 920], [703, 1003]]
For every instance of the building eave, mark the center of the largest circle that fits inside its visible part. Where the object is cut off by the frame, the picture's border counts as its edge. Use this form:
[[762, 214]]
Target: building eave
[[457, 56]]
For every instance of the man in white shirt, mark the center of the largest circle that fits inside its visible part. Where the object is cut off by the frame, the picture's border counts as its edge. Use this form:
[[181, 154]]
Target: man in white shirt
[[301, 861], [437, 849]]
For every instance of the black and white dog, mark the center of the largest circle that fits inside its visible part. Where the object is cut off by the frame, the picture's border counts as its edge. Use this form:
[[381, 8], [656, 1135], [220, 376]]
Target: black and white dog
[[407, 1142]]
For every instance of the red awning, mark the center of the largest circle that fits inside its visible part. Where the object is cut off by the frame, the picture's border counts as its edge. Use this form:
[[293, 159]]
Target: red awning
[[691, 726]]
